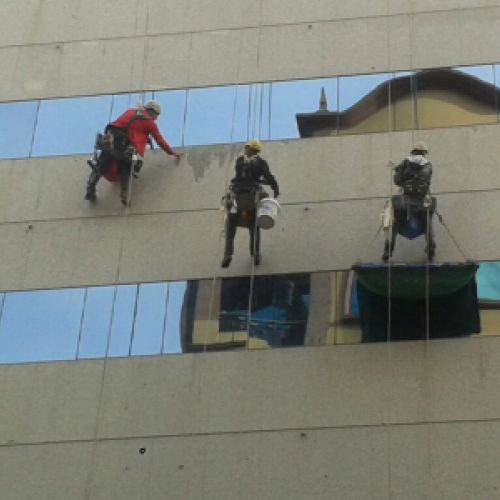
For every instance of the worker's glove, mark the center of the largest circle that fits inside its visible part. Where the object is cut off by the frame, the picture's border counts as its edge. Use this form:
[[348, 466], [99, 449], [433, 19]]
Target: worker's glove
[[138, 166]]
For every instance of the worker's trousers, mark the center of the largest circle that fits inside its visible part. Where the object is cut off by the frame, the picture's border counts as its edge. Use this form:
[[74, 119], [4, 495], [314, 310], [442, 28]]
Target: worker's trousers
[[232, 224]]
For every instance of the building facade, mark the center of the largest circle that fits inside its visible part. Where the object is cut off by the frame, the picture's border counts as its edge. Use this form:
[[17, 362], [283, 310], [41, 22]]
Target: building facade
[[94, 296]]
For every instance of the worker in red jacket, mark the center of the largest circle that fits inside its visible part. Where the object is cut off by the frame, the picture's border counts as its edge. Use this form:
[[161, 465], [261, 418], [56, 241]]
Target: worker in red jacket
[[124, 143]]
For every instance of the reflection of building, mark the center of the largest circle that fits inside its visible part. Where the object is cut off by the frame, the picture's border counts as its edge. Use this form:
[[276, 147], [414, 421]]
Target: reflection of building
[[279, 312], [425, 99]]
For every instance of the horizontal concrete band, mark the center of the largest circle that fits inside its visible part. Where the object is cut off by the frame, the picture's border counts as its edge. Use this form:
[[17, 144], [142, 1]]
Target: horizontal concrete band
[[305, 464], [188, 245], [308, 171], [348, 386], [303, 50], [58, 21]]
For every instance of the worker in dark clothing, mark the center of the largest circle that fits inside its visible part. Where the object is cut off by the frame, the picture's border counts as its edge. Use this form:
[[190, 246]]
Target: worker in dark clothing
[[414, 208], [244, 193], [414, 173], [124, 142]]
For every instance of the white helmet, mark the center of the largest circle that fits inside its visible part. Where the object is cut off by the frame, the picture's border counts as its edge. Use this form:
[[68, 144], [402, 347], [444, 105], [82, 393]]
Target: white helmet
[[153, 106], [420, 146]]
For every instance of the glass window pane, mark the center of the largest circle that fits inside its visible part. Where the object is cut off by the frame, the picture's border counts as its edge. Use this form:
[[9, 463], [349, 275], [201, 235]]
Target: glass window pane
[[209, 115], [171, 120], [257, 114], [364, 104], [172, 339], [40, 325], [17, 133], [280, 309], [96, 322], [68, 126], [241, 126], [123, 317], [403, 100], [303, 97], [488, 281], [454, 97], [149, 322]]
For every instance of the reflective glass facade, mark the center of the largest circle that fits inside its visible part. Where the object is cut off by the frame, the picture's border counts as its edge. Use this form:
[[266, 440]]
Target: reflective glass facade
[[270, 111], [303, 309]]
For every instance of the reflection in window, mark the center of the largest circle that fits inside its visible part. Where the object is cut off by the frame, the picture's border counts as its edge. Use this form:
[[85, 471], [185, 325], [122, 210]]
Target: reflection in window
[[301, 96], [440, 97], [447, 98], [171, 120], [18, 119], [172, 329], [403, 101], [209, 118], [364, 103], [122, 319], [96, 322], [150, 319], [68, 126], [40, 325]]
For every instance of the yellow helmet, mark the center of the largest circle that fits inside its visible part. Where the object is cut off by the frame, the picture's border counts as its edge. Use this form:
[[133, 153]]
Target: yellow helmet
[[254, 144]]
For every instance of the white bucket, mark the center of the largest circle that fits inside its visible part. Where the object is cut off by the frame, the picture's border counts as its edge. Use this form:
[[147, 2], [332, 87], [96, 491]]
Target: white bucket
[[267, 211]]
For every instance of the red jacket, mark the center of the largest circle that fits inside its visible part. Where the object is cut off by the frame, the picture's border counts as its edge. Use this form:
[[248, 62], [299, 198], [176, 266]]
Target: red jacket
[[140, 130]]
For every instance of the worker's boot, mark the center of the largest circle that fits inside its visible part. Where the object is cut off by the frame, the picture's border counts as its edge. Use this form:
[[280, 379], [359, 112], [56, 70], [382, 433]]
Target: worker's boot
[[124, 198], [226, 261]]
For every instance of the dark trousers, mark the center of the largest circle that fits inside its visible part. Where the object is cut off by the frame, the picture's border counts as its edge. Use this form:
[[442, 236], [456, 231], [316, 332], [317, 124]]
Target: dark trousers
[[124, 168], [232, 224]]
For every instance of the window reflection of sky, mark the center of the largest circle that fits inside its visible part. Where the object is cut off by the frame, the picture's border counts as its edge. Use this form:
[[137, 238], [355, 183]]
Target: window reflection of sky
[[68, 126], [18, 119], [301, 96], [232, 113]]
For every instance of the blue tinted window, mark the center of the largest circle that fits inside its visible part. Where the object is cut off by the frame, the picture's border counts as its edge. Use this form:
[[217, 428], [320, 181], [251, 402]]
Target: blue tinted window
[[150, 318], [40, 325], [172, 334], [96, 322], [299, 96], [123, 317], [209, 115], [488, 281], [171, 120], [68, 126], [18, 119]]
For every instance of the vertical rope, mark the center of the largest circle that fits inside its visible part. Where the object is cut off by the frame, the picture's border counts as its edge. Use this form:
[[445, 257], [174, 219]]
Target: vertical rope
[[269, 111], [261, 112], [221, 233], [249, 119], [252, 280], [427, 278]]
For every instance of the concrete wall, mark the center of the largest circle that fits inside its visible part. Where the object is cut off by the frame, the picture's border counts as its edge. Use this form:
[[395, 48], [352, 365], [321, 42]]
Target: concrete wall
[[60, 48], [333, 192], [408, 420]]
